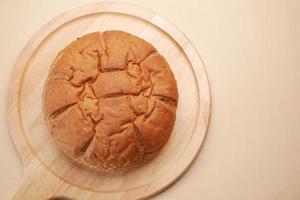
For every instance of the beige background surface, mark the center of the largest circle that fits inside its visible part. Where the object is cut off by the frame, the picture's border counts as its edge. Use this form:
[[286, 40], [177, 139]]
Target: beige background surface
[[251, 50]]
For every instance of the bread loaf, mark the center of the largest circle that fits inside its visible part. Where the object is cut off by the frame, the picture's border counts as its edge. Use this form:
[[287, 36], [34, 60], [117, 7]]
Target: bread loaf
[[110, 101]]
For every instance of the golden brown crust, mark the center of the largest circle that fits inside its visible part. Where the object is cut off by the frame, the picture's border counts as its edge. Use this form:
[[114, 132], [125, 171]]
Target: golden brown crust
[[110, 101]]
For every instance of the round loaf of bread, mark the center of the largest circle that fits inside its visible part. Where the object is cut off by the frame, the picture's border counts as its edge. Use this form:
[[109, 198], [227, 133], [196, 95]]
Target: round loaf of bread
[[110, 101]]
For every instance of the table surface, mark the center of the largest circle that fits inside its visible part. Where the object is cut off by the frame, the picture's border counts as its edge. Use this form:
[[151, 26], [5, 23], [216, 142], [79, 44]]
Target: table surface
[[251, 50]]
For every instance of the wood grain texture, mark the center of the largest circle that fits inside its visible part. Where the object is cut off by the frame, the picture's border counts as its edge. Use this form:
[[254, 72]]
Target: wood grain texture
[[47, 172]]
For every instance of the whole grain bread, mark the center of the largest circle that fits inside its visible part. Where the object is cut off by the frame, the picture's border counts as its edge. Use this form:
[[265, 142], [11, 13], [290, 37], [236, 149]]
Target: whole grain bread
[[110, 101]]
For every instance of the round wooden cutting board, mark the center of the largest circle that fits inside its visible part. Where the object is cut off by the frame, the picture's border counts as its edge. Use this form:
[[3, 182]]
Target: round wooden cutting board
[[47, 172]]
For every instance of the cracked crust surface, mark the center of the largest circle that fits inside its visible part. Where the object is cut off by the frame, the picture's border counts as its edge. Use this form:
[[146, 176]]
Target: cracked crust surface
[[110, 101]]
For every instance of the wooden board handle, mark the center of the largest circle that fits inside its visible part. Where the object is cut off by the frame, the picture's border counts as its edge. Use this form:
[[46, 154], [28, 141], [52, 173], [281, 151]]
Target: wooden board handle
[[38, 183]]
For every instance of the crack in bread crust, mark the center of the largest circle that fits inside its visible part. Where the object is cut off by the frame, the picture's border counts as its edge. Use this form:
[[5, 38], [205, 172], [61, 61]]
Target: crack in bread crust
[[128, 94], [62, 110], [166, 99]]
